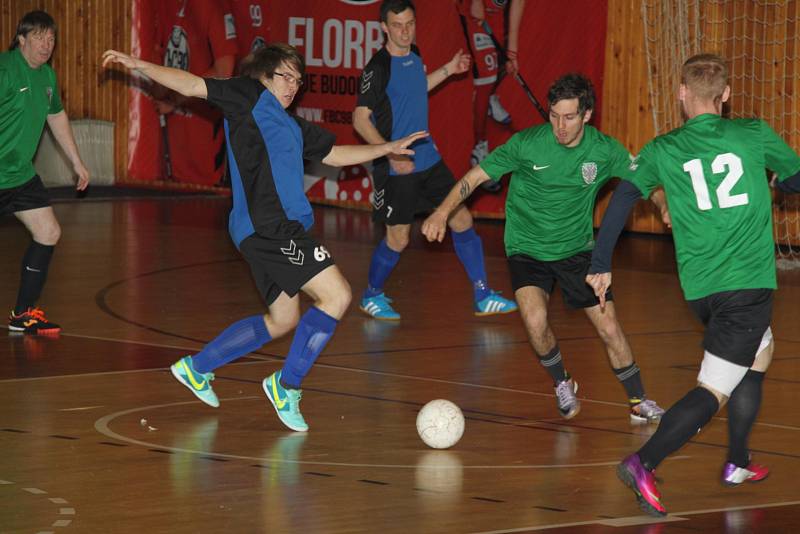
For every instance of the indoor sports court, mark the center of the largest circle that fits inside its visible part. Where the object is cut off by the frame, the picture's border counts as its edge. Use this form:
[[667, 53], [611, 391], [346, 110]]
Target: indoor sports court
[[96, 435]]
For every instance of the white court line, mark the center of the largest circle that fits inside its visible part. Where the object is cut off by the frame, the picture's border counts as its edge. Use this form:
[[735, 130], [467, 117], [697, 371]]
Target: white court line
[[642, 519], [79, 409], [102, 426], [266, 359]]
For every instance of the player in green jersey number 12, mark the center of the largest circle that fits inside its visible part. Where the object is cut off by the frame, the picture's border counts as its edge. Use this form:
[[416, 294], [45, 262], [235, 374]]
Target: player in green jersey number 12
[[712, 170]]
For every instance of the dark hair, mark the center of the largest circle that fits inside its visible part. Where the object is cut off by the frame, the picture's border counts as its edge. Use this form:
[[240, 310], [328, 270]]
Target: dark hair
[[396, 7], [264, 61], [572, 85], [33, 21]]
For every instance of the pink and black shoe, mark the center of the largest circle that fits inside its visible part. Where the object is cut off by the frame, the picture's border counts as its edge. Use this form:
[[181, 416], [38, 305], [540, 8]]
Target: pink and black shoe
[[643, 483]]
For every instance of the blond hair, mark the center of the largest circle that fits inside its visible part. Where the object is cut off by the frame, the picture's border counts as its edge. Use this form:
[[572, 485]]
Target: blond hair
[[706, 76]]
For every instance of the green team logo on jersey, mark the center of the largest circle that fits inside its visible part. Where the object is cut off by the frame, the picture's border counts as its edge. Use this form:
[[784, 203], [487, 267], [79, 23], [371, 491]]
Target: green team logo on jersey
[[589, 172]]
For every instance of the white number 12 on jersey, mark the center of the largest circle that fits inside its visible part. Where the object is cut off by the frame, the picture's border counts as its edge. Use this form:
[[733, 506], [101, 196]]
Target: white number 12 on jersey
[[734, 166]]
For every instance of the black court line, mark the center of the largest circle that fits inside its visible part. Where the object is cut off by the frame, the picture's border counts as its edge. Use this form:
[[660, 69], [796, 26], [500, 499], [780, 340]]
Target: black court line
[[16, 430], [485, 499], [59, 436], [550, 509], [376, 482], [162, 451], [314, 473], [112, 444], [102, 304]]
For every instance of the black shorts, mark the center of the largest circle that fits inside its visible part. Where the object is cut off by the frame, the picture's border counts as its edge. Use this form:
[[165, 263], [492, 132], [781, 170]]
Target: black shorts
[[570, 273], [284, 264], [735, 322], [396, 199], [28, 196]]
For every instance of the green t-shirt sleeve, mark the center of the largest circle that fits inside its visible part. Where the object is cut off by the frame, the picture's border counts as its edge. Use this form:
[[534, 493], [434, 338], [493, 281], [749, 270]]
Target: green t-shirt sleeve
[[778, 156], [642, 171], [55, 100], [503, 159]]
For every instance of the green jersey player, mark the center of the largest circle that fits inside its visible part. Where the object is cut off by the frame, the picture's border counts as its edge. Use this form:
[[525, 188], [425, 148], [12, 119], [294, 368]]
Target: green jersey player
[[713, 172], [557, 170]]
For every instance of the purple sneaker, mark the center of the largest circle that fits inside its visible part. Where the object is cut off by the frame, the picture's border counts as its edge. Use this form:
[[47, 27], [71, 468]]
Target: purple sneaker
[[733, 475], [643, 483]]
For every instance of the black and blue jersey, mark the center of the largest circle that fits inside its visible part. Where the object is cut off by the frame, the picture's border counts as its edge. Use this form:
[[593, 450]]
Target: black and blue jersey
[[266, 148], [395, 89]]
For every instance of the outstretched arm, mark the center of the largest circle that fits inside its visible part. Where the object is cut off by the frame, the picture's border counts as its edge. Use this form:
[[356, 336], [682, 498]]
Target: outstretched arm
[[341, 155], [178, 80], [435, 225], [622, 202], [457, 65]]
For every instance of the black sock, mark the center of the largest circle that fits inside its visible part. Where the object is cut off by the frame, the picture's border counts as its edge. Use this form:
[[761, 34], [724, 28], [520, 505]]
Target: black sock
[[632, 382], [553, 364], [679, 425], [33, 275], [742, 411]]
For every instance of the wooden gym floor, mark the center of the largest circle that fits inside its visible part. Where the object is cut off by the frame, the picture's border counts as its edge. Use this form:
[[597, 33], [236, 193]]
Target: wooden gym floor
[[97, 436]]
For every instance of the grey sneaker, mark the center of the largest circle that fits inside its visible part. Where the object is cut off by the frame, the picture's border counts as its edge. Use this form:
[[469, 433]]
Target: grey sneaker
[[568, 404], [646, 411]]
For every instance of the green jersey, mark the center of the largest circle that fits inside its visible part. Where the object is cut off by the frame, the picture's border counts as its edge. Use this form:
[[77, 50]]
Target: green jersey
[[553, 189], [27, 96], [713, 172]]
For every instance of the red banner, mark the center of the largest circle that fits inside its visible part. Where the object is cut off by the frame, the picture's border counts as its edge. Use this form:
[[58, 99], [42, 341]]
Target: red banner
[[338, 37]]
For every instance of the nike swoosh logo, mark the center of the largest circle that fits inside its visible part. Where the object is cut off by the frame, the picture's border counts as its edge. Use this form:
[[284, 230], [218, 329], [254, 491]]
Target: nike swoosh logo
[[280, 403], [23, 89], [31, 269], [195, 384], [538, 168], [30, 323]]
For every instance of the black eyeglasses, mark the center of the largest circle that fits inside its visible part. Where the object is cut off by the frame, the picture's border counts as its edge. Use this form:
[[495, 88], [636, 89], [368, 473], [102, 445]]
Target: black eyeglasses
[[288, 78]]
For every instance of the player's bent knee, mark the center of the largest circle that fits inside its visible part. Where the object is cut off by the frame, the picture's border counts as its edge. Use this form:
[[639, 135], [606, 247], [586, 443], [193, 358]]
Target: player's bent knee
[[720, 376]]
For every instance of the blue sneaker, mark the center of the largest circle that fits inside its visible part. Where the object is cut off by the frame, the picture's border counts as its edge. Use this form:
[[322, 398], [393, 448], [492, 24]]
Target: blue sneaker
[[379, 307], [494, 304], [285, 401], [198, 383]]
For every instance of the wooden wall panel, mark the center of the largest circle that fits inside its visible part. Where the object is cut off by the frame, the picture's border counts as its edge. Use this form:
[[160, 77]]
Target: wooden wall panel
[[627, 113], [85, 29]]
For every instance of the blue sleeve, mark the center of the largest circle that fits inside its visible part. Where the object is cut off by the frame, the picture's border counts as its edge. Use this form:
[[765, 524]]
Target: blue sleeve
[[790, 184], [622, 202]]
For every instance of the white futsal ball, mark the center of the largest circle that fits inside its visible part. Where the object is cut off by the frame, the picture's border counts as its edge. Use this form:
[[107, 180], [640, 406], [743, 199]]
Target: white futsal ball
[[440, 424]]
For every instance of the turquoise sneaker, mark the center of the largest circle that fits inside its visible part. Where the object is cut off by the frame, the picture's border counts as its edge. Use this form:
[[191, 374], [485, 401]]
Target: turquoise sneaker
[[285, 401], [379, 307], [198, 383], [494, 304]]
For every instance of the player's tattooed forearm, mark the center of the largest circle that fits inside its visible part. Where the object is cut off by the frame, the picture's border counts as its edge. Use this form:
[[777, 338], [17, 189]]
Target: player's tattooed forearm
[[465, 190]]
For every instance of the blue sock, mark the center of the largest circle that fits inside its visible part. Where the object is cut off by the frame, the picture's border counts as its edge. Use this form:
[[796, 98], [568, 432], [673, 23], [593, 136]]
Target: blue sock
[[469, 250], [383, 261], [238, 339], [312, 334]]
